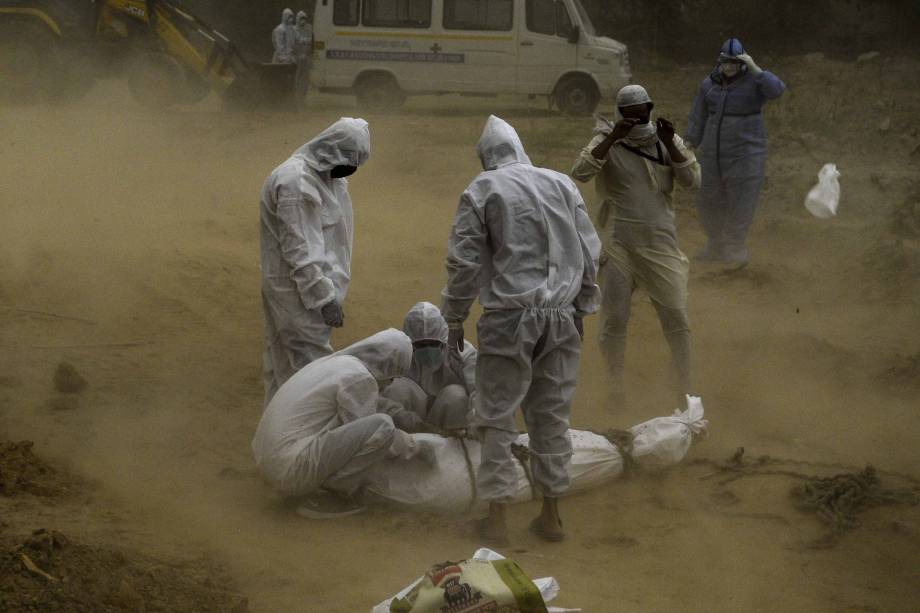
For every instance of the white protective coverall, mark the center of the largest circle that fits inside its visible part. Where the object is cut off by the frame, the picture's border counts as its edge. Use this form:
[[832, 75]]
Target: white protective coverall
[[307, 232], [440, 382], [303, 53], [523, 243], [284, 38], [322, 428]]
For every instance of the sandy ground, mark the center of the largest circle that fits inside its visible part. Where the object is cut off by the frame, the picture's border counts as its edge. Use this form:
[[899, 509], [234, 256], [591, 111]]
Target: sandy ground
[[144, 227]]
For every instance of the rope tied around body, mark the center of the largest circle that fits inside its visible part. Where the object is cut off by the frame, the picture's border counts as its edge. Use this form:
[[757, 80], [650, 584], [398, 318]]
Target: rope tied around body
[[622, 440]]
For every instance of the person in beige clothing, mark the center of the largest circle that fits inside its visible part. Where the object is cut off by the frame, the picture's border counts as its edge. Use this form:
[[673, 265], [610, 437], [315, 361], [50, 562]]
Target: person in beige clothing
[[636, 163]]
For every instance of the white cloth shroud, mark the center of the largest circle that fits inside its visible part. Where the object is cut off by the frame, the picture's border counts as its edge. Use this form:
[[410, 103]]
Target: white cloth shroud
[[446, 488]]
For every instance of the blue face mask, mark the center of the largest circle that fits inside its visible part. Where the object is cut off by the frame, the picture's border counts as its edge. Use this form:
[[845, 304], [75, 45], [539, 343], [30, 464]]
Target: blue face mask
[[428, 357]]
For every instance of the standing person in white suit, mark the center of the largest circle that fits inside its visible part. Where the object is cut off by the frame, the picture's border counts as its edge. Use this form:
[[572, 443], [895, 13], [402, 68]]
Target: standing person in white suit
[[303, 53], [307, 234], [522, 242], [283, 38]]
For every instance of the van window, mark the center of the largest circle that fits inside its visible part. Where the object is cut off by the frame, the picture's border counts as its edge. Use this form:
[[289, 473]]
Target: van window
[[397, 13], [564, 26], [478, 14], [541, 16], [345, 12], [548, 17]]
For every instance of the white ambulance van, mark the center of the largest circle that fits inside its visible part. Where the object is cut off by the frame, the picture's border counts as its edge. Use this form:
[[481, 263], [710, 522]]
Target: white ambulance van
[[383, 50]]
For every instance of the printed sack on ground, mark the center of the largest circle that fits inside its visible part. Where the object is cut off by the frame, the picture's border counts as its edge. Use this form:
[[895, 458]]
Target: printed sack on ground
[[472, 586]]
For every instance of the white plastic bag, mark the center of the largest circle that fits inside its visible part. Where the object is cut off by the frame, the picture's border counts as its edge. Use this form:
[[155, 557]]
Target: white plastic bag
[[823, 199]]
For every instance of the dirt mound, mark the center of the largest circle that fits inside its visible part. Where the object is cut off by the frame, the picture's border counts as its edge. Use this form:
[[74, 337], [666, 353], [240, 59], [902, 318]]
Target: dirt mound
[[22, 471], [49, 572]]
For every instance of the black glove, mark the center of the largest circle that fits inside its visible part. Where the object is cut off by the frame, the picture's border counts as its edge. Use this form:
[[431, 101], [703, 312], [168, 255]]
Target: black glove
[[333, 314], [455, 337]]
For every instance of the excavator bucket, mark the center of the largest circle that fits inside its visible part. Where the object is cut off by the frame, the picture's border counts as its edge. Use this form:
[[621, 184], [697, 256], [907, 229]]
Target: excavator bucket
[[210, 61]]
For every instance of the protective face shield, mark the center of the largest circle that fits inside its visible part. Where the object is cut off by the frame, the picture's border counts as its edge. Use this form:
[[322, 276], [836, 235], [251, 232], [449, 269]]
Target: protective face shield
[[340, 172], [730, 68]]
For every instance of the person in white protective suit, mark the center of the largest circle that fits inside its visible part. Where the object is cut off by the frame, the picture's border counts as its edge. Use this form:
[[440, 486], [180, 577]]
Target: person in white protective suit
[[283, 39], [523, 243], [322, 431], [440, 383], [307, 232], [303, 54]]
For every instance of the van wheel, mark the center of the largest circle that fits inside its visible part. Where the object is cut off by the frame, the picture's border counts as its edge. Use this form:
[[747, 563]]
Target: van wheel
[[379, 92], [577, 96]]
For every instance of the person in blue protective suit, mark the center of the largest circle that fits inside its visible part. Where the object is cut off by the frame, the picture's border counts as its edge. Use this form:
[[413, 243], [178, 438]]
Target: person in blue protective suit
[[726, 127]]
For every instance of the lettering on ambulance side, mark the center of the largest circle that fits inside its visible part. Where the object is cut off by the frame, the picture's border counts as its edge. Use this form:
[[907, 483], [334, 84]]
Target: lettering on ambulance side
[[395, 56]]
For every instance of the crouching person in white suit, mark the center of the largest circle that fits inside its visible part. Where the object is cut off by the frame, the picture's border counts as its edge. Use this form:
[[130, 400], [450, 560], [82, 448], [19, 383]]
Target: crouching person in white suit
[[321, 431]]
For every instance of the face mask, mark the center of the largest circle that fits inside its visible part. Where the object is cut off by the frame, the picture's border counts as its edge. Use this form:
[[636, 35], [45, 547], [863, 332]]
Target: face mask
[[340, 172], [642, 130], [428, 357], [730, 69]]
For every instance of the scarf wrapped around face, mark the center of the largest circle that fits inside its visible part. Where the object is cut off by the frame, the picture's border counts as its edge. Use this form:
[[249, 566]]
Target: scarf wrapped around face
[[642, 135]]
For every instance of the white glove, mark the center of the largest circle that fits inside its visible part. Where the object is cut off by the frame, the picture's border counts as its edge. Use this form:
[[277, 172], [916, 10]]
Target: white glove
[[753, 68]]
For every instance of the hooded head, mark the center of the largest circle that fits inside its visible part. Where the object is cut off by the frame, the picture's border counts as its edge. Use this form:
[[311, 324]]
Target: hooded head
[[301, 19], [347, 143], [500, 145], [287, 17], [729, 64], [424, 322], [386, 355], [426, 327], [731, 49]]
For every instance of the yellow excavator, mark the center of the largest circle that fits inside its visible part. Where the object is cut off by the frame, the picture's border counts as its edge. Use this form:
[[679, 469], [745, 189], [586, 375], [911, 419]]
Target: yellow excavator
[[54, 49]]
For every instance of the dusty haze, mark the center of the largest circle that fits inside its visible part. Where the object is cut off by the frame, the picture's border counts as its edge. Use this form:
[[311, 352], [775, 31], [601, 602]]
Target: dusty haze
[[146, 225]]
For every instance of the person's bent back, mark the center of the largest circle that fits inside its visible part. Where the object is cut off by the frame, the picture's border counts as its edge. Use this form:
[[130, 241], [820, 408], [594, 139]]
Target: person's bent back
[[321, 430]]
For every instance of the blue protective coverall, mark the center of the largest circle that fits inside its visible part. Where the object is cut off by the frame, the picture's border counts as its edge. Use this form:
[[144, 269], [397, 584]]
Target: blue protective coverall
[[726, 127]]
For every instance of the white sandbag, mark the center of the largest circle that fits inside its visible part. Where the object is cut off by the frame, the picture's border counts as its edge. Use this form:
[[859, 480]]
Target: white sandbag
[[824, 197], [447, 487], [548, 586]]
